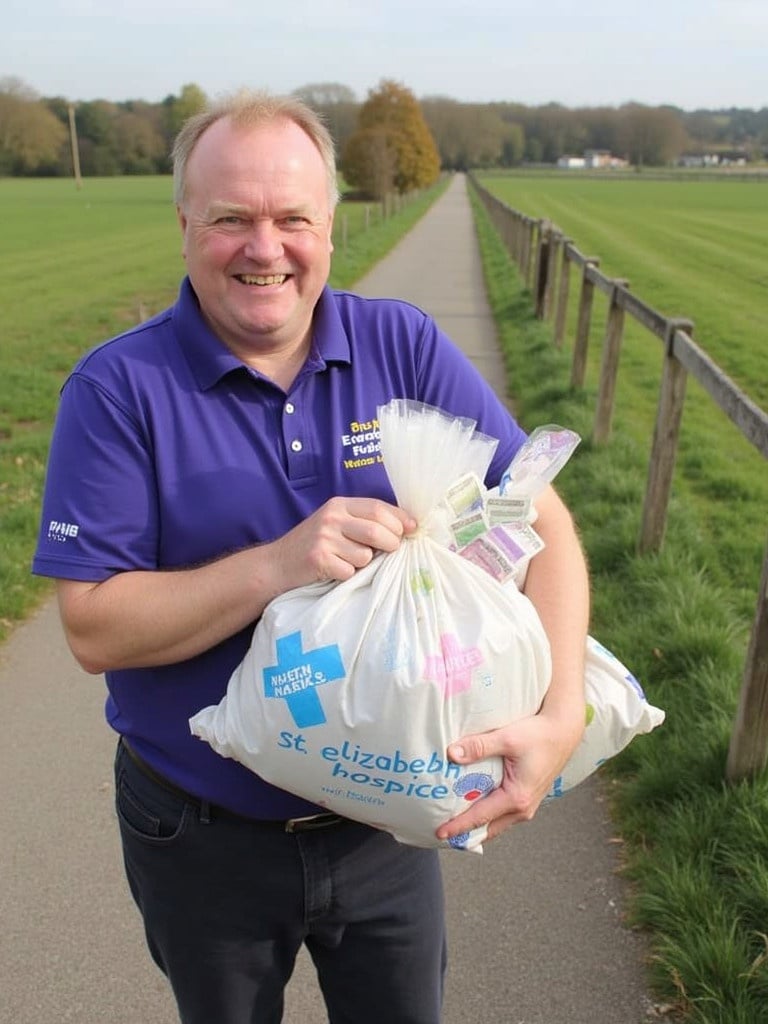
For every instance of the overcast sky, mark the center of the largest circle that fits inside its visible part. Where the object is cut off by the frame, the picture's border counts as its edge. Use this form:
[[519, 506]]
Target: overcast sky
[[691, 53]]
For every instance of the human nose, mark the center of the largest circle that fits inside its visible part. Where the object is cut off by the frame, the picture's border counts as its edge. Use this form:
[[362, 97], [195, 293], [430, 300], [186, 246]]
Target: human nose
[[263, 243]]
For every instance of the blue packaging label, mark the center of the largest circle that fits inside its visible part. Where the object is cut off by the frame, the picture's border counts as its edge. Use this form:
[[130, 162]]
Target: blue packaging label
[[297, 675]]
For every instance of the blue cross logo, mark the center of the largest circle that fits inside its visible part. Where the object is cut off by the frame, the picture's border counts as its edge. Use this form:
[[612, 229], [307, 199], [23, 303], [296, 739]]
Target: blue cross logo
[[297, 674]]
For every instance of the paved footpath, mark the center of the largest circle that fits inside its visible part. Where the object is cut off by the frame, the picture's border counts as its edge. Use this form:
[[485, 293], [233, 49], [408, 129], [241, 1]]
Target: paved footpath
[[535, 924]]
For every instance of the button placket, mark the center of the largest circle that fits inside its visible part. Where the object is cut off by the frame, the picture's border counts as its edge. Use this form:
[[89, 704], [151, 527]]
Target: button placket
[[295, 445]]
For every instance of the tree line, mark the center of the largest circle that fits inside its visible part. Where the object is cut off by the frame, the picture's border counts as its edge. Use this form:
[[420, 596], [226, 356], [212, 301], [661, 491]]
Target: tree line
[[390, 140]]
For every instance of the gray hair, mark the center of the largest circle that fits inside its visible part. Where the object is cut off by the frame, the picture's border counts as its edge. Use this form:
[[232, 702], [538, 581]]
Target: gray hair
[[249, 109]]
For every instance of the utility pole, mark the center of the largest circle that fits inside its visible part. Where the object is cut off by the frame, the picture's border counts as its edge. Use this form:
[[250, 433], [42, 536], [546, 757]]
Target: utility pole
[[75, 147]]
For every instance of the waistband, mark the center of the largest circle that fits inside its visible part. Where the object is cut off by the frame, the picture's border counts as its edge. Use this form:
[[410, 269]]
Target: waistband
[[308, 823]]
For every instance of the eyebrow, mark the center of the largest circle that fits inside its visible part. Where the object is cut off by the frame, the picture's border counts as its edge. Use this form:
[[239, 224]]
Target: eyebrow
[[216, 208], [219, 208]]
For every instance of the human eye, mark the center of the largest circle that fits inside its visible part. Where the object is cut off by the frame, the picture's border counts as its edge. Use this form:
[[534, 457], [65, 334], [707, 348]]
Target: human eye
[[295, 220]]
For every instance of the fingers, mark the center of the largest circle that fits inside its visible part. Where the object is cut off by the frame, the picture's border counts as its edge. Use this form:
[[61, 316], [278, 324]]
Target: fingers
[[498, 811], [374, 523], [531, 760], [469, 749], [341, 537], [340, 560], [350, 531]]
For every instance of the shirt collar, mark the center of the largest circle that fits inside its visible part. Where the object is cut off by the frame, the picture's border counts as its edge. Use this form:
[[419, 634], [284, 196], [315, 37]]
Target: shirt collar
[[210, 359]]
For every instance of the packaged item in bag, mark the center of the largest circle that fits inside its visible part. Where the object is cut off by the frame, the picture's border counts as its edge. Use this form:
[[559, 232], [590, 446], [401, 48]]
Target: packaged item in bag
[[351, 692], [617, 709]]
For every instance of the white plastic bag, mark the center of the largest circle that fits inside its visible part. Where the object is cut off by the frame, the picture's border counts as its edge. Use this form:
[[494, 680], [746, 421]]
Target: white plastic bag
[[350, 693], [617, 712]]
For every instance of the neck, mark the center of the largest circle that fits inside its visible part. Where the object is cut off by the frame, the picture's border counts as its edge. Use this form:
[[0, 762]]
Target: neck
[[281, 367]]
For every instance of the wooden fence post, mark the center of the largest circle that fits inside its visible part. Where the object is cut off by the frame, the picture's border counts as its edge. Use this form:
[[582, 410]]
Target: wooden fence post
[[555, 241], [524, 248], [74, 145], [542, 266], [510, 229], [516, 248], [518, 241], [502, 219], [748, 750], [581, 342], [665, 436], [521, 237], [527, 262], [561, 313], [609, 368]]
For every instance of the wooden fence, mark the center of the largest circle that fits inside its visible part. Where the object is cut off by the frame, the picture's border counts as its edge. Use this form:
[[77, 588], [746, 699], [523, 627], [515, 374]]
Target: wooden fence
[[549, 264], [374, 213]]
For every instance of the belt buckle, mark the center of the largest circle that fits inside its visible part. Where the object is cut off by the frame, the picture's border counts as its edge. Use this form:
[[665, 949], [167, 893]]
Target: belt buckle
[[311, 821]]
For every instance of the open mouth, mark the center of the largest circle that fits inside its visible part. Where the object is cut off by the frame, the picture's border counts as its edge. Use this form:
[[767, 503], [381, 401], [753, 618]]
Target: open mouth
[[261, 280]]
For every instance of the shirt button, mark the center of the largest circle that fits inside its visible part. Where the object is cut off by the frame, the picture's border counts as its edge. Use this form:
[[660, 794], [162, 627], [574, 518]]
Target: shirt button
[[290, 407], [296, 446]]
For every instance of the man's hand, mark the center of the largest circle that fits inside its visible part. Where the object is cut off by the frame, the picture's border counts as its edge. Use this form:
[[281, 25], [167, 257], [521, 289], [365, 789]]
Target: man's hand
[[342, 536], [535, 750]]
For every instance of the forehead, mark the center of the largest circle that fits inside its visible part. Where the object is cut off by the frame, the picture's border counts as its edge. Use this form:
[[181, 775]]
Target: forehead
[[276, 155]]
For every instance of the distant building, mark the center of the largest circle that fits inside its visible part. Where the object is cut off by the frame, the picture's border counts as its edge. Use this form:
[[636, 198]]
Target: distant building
[[699, 160], [597, 158], [593, 158], [725, 158], [572, 162]]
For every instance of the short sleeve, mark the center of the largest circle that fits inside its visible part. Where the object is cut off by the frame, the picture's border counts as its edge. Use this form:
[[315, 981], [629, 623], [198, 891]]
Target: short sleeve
[[99, 513]]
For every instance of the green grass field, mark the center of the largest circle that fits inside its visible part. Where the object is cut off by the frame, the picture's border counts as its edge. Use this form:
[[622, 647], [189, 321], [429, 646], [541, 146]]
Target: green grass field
[[76, 267], [696, 249], [694, 849]]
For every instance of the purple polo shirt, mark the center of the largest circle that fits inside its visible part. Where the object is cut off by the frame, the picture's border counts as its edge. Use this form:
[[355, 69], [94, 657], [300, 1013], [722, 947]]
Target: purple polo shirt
[[168, 451]]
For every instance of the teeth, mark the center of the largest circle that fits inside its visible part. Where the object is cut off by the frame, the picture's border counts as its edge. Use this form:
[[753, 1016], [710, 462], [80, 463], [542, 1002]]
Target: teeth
[[262, 280]]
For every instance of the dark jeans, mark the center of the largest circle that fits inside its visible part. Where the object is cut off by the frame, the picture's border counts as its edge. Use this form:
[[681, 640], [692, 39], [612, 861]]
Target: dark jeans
[[227, 904]]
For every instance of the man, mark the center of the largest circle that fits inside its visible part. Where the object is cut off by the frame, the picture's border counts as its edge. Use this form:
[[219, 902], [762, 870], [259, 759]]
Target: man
[[198, 465]]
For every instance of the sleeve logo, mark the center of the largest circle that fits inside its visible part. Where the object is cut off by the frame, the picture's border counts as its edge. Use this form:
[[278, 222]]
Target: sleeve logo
[[62, 531]]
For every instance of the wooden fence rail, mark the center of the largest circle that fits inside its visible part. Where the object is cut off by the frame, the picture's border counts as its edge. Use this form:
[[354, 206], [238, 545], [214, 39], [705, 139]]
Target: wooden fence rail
[[538, 248]]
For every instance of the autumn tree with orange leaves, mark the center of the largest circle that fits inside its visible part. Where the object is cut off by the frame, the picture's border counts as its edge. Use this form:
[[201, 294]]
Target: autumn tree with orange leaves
[[392, 149]]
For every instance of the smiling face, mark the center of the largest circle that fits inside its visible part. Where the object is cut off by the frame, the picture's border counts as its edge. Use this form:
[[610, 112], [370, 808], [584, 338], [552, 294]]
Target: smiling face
[[256, 221]]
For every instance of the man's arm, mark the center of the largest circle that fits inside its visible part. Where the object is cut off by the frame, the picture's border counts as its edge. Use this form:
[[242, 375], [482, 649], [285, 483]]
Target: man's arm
[[536, 749], [141, 618]]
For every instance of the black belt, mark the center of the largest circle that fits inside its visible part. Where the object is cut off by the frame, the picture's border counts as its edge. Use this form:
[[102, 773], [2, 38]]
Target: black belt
[[309, 823]]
